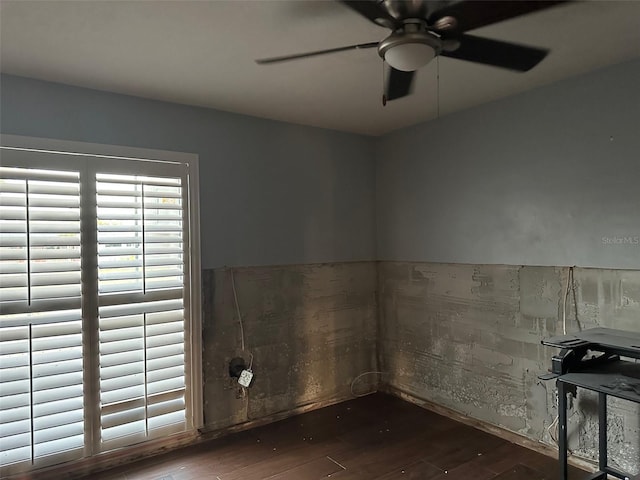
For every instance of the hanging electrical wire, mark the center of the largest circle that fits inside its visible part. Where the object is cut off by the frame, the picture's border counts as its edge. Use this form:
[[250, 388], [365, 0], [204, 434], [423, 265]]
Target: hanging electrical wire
[[564, 300], [357, 395], [235, 297]]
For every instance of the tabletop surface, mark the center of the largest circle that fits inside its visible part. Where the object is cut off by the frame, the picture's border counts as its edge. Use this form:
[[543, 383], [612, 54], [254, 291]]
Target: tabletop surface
[[618, 378], [616, 341]]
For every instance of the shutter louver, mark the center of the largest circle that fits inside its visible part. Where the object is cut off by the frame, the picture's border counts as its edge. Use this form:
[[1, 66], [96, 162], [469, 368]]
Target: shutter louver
[[141, 311], [41, 352]]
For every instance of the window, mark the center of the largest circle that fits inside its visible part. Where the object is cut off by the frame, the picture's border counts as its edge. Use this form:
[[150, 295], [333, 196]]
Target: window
[[97, 260]]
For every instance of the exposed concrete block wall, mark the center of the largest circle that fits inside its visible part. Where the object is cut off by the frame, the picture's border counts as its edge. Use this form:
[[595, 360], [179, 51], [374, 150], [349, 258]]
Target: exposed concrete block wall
[[311, 330], [468, 337]]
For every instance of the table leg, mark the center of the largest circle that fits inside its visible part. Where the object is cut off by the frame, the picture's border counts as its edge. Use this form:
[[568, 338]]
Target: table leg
[[602, 427], [562, 430]]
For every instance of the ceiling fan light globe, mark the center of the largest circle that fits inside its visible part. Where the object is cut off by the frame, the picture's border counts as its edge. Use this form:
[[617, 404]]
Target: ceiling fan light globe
[[409, 57]]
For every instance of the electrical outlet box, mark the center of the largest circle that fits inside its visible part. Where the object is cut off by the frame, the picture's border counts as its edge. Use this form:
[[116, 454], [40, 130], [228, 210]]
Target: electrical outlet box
[[236, 366], [245, 378]]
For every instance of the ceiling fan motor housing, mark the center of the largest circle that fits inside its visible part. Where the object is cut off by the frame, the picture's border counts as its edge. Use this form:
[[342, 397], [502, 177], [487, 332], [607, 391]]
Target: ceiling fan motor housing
[[403, 9]]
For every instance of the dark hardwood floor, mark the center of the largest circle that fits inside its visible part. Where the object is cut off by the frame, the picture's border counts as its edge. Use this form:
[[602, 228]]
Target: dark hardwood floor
[[377, 437]]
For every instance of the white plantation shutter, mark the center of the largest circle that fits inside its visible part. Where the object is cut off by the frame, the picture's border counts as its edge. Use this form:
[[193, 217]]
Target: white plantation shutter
[[141, 245], [41, 349], [40, 237], [95, 304], [142, 371]]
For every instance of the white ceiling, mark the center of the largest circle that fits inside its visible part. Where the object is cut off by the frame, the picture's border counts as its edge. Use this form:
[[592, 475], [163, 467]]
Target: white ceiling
[[202, 52]]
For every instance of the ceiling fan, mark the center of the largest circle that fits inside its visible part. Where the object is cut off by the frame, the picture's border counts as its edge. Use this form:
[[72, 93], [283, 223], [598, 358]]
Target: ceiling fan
[[424, 29]]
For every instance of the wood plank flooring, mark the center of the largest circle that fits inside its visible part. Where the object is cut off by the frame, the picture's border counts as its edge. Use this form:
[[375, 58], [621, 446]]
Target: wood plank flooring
[[378, 437]]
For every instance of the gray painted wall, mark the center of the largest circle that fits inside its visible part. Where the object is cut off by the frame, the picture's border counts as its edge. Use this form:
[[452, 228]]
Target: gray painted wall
[[468, 337], [548, 177], [534, 179], [271, 192]]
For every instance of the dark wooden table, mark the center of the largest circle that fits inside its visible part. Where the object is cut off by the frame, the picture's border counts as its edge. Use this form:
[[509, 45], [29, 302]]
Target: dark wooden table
[[608, 375], [619, 379]]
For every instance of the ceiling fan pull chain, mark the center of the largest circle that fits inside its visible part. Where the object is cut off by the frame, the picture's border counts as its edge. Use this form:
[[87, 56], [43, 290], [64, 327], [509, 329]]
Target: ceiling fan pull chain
[[437, 87], [384, 87]]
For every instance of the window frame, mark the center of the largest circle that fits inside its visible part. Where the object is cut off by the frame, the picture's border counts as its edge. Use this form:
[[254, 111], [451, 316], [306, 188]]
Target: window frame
[[193, 321]]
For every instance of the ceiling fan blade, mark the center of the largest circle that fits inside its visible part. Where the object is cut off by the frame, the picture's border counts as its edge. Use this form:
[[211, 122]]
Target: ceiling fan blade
[[285, 58], [373, 11], [497, 53], [471, 14], [399, 84]]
